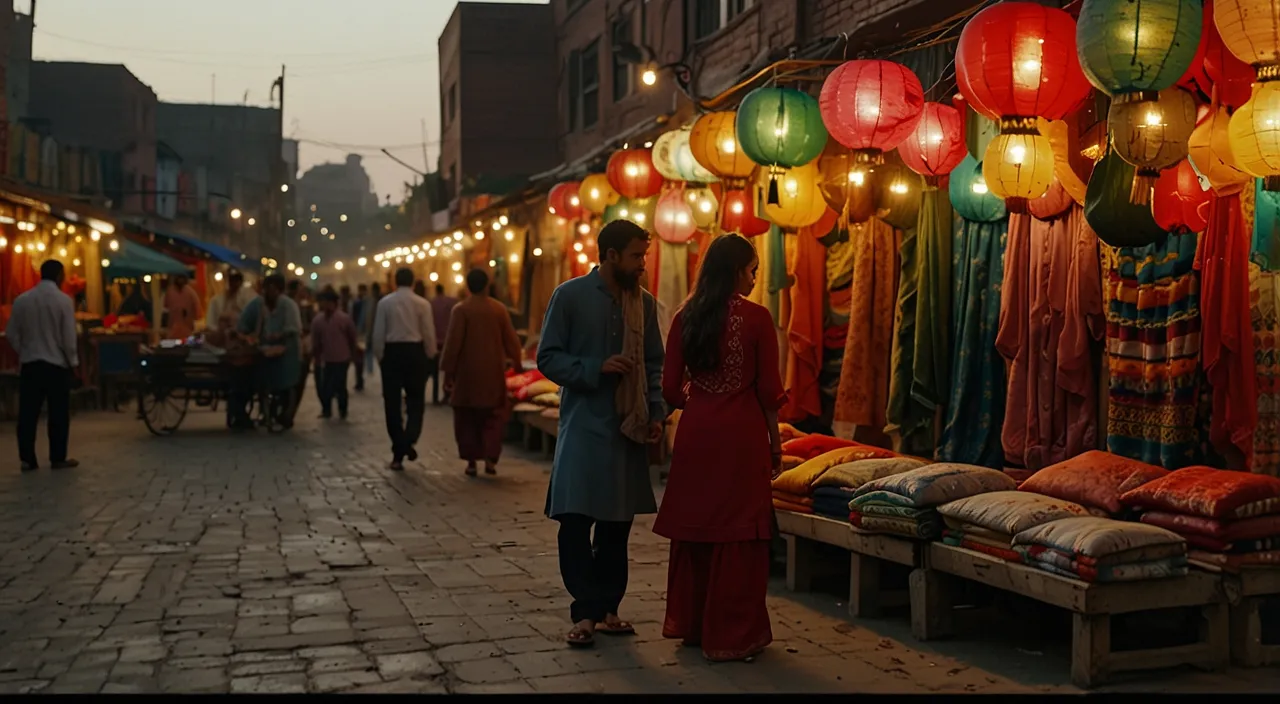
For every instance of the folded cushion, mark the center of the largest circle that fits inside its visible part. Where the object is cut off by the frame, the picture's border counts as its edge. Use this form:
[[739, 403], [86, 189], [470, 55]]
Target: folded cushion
[[794, 508], [791, 462], [793, 498], [1056, 563], [516, 382], [1229, 531], [854, 474], [1097, 538], [526, 407], [1009, 512], [536, 389], [894, 511], [800, 480], [787, 431], [1093, 479], [977, 532], [811, 446], [1233, 563], [1004, 552], [938, 484], [1207, 492], [841, 493], [882, 498], [551, 400], [927, 529]]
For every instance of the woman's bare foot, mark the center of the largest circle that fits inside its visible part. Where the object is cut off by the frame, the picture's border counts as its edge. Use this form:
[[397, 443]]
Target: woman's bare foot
[[582, 635], [614, 626]]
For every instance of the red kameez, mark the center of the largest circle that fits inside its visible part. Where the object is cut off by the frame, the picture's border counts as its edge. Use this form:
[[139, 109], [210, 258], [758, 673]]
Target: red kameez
[[717, 508]]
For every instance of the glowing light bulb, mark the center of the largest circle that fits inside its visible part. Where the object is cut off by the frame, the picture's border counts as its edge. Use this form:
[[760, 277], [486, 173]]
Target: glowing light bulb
[[235, 213], [479, 236], [1017, 153], [114, 246], [582, 259], [95, 235], [408, 259], [537, 251], [493, 263], [857, 178], [147, 278], [62, 251], [1153, 118], [4, 242], [433, 276], [75, 262], [362, 261], [639, 218], [303, 238], [736, 208], [573, 200], [682, 219], [292, 222], [509, 236], [457, 237], [106, 263], [577, 246], [1030, 65], [252, 221], [584, 228], [595, 193], [935, 138], [979, 187], [284, 188], [324, 230], [342, 217], [792, 186], [496, 226], [17, 248], [337, 265], [457, 246], [632, 170], [898, 187], [649, 77], [457, 266], [728, 146], [706, 206], [514, 258], [40, 246], [386, 264], [458, 279], [217, 276], [299, 271], [433, 252]]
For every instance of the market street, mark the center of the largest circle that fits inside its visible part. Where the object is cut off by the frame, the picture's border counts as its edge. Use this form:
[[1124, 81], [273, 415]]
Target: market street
[[206, 562]]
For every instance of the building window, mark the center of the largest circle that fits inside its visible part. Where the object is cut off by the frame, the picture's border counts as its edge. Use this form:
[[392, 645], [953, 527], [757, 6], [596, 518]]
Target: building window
[[584, 86], [710, 16], [623, 72]]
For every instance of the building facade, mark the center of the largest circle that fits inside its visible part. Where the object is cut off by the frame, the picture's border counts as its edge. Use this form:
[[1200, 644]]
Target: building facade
[[497, 98], [336, 212]]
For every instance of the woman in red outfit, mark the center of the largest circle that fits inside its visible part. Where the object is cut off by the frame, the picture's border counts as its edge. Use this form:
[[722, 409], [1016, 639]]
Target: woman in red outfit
[[722, 369]]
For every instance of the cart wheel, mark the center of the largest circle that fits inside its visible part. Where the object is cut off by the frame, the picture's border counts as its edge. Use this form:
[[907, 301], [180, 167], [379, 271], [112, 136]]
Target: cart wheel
[[162, 410]]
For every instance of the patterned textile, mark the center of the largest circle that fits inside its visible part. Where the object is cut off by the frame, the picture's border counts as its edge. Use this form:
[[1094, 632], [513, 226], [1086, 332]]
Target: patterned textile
[[1208, 492], [1102, 540], [1152, 299], [1009, 512], [1004, 553], [810, 446], [926, 528], [940, 483], [1264, 294], [889, 510], [854, 474], [909, 424], [863, 394], [1233, 563], [1063, 565], [975, 411], [800, 480], [1094, 479], [1228, 531]]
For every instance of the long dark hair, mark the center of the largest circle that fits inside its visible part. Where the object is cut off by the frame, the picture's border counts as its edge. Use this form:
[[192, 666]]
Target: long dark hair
[[703, 316]]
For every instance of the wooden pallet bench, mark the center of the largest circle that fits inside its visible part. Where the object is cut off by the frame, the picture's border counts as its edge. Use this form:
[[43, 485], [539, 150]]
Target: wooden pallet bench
[[539, 432], [1092, 605], [1246, 592], [868, 552]]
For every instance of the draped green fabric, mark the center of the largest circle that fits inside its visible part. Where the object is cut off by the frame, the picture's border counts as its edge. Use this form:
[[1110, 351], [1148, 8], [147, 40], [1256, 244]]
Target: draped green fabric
[[909, 423], [1108, 211], [978, 133], [1266, 228], [932, 368]]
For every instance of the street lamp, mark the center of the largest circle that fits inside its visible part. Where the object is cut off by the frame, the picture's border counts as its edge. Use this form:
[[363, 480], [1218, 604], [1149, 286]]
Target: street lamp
[[284, 188], [649, 77], [235, 213], [252, 222]]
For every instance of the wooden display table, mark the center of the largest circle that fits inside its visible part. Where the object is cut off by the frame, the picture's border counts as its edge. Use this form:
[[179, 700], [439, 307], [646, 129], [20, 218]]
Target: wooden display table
[[867, 553], [1092, 606], [1246, 593]]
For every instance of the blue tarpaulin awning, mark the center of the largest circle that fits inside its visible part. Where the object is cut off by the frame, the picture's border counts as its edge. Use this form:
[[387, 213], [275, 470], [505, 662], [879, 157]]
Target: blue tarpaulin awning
[[236, 259], [132, 260]]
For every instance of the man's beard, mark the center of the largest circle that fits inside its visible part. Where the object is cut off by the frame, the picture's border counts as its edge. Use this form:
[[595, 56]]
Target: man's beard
[[627, 280]]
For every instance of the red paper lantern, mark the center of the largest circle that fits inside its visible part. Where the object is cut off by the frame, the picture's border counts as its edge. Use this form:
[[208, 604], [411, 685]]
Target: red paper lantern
[[1018, 59], [871, 106], [1232, 77], [563, 200], [673, 218], [738, 214], [1178, 203], [631, 172], [936, 145]]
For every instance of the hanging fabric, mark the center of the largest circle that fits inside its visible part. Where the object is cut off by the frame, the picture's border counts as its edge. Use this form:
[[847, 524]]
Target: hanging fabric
[[975, 412], [804, 331], [864, 377], [1264, 293]]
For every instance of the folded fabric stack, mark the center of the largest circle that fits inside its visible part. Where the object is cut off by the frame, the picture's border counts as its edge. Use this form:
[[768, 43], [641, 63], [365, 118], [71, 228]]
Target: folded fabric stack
[[833, 491], [906, 503], [1230, 519], [1094, 480], [810, 446], [987, 522], [794, 487], [1096, 549]]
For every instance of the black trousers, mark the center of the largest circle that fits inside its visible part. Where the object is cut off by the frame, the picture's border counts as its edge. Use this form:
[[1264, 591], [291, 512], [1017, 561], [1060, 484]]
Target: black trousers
[[433, 375], [38, 383], [359, 375], [594, 571], [333, 385], [241, 392], [404, 381]]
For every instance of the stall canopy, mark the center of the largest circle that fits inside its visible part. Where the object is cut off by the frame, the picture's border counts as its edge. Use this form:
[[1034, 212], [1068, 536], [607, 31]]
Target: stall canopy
[[210, 250], [133, 260]]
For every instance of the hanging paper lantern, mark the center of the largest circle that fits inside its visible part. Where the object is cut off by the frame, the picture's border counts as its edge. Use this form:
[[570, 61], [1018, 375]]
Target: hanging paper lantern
[[673, 218], [1254, 132], [1249, 29], [846, 186], [714, 143], [1227, 74], [637, 210], [936, 145], [1152, 135], [706, 209], [1132, 49], [970, 197], [871, 106], [563, 200], [979, 130], [1210, 150], [596, 193], [780, 127], [631, 172], [800, 202], [897, 193], [664, 155], [1016, 61], [1108, 211], [1180, 204], [738, 214]]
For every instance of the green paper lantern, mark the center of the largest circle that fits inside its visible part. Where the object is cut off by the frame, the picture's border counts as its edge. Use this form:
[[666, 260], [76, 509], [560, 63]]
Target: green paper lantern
[[1108, 211], [970, 197], [1137, 46], [780, 127], [638, 210], [978, 133]]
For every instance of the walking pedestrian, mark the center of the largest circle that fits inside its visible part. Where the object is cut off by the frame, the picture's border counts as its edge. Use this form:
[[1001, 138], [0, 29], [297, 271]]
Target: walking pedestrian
[[441, 308], [601, 344], [370, 314], [358, 308], [275, 323], [480, 342], [333, 344], [225, 308], [717, 508], [182, 304], [42, 331], [404, 338]]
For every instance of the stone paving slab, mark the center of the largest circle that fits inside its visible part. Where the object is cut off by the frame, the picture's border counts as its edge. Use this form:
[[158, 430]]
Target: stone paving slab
[[210, 562]]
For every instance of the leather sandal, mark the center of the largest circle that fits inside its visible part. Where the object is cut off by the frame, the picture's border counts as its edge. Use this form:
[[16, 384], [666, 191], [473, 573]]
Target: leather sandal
[[580, 637]]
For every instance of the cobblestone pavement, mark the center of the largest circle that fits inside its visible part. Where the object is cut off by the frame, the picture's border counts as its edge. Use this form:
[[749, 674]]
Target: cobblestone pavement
[[207, 562]]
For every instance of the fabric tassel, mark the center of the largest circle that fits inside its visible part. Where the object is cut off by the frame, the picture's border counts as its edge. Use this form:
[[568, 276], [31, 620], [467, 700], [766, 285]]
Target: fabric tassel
[[1143, 185], [773, 190]]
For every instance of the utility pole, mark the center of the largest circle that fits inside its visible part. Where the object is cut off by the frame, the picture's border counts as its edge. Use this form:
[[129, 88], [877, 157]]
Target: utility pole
[[280, 175]]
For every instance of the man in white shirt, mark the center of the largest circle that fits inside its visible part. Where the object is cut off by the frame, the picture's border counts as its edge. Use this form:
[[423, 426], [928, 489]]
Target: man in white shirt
[[225, 308], [42, 331], [404, 338]]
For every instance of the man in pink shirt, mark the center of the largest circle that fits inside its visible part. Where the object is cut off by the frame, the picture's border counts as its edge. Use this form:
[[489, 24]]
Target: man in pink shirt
[[181, 303], [333, 344]]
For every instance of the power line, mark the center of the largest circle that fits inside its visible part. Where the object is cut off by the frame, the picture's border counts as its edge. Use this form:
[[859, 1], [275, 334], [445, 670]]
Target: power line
[[187, 52]]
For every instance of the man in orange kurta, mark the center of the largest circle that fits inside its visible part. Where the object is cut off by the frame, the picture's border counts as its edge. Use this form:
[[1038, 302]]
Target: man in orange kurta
[[182, 304], [480, 342]]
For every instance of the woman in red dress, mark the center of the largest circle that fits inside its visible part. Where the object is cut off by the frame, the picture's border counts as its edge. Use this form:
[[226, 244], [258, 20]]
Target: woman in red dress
[[722, 369]]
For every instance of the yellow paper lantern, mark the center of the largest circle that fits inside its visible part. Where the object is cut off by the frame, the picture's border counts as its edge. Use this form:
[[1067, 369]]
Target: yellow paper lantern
[[1249, 29], [1210, 150], [1152, 135], [1254, 134], [1060, 138], [800, 202], [714, 143], [596, 194], [664, 154], [706, 208], [1018, 167]]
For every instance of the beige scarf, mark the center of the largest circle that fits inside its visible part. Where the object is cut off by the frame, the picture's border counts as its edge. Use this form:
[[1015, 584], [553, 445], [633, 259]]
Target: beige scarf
[[633, 389]]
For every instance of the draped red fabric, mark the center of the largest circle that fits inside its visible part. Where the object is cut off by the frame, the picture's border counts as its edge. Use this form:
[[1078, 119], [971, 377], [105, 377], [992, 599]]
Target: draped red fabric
[[1226, 338], [805, 333]]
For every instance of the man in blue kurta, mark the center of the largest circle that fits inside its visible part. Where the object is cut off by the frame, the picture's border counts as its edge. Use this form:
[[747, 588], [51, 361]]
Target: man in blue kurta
[[602, 345]]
